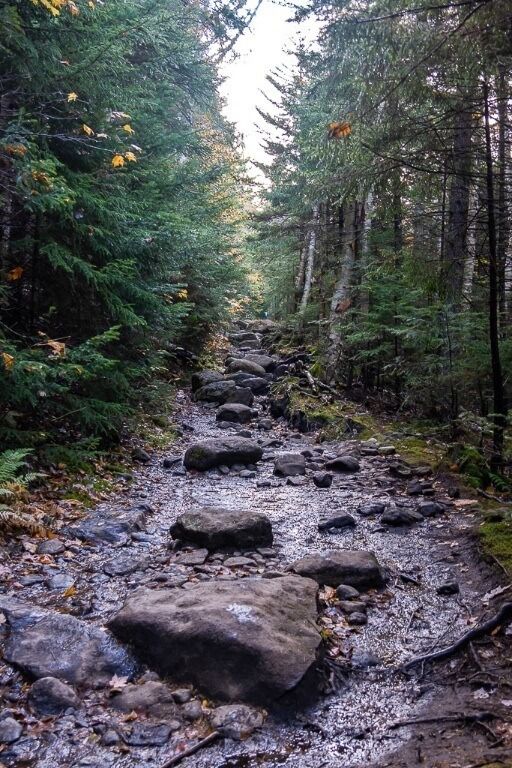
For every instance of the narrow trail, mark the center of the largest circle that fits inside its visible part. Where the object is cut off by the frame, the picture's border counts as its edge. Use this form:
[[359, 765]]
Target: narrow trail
[[364, 692]]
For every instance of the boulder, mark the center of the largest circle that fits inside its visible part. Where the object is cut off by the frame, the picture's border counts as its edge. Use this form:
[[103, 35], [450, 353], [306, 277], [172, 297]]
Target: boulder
[[151, 698], [289, 465], [235, 412], [372, 508], [248, 640], [223, 450], [50, 696], [104, 527], [343, 464], [215, 527], [242, 336], [337, 521], [242, 395], [322, 479], [356, 568], [202, 378], [257, 384], [236, 721], [216, 392], [400, 516], [247, 366], [47, 644], [266, 362]]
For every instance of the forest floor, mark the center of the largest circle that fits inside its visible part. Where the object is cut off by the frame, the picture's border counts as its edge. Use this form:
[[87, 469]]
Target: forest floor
[[366, 712]]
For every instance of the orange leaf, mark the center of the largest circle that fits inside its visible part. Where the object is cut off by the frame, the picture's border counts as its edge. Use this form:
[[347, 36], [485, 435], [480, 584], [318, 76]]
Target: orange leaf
[[86, 129], [8, 360], [118, 161], [69, 592], [15, 273], [339, 130]]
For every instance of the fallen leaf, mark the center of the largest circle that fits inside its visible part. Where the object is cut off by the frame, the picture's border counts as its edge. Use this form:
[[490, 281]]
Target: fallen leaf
[[118, 161], [72, 96], [15, 273], [87, 129], [8, 360], [70, 591]]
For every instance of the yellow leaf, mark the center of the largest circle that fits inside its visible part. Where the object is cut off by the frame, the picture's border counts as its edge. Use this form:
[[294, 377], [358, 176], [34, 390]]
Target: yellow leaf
[[18, 150], [69, 592], [183, 294], [8, 360], [57, 347], [118, 161], [15, 273], [72, 96], [130, 156], [87, 130], [127, 127], [73, 9]]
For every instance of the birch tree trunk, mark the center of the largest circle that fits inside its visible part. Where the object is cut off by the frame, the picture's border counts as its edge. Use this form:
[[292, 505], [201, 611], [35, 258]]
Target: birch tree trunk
[[310, 258], [341, 297]]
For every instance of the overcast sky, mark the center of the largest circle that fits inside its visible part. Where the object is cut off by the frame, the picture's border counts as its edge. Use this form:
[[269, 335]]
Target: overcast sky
[[259, 51]]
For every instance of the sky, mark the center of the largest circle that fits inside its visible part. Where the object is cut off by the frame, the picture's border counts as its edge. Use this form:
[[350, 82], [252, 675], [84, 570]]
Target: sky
[[259, 51]]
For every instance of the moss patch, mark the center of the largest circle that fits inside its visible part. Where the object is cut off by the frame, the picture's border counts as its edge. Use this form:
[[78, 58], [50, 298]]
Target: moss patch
[[496, 538]]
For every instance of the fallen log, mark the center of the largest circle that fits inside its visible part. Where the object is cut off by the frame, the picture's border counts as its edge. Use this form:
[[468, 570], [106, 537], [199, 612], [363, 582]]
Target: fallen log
[[503, 616]]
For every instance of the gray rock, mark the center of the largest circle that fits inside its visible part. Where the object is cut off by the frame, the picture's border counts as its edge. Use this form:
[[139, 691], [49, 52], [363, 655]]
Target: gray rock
[[216, 392], [216, 527], [296, 481], [61, 581], [449, 588], [203, 378], [171, 461], [355, 606], [151, 698], [356, 568], [430, 508], [44, 644], [140, 455], [387, 450], [372, 508], [182, 695], [238, 562], [289, 465], [50, 696], [236, 721], [235, 412], [247, 366], [343, 464], [10, 730], [400, 516], [103, 527], [121, 566], [225, 450], [338, 521], [192, 710], [196, 557], [346, 592], [248, 640], [322, 479], [110, 738], [51, 547], [265, 361], [242, 395], [256, 384], [146, 735], [358, 619]]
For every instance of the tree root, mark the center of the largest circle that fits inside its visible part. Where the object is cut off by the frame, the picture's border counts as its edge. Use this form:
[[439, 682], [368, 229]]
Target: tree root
[[503, 616], [192, 750]]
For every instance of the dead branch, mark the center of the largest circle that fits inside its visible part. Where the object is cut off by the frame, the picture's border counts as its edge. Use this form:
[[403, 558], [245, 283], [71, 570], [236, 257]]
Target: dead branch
[[192, 750], [503, 616]]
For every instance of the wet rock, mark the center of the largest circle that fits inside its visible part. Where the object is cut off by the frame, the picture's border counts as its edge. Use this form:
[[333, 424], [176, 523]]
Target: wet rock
[[247, 474], [264, 627], [418, 487], [238, 562], [357, 568], [140, 455], [50, 696], [104, 527], [352, 607], [216, 452], [289, 465], [236, 412], [151, 698], [121, 566], [265, 361], [430, 508], [203, 378], [241, 336], [216, 527], [236, 721], [346, 592], [51, 547], [216, 392], [322, 479], [10, 730], [146, 735], [358, 619], [400, 470], [371, 508], [110, 738], [338, 521], [257, 384], [197, 557], [61, 581], [46, 644], [265, 424], [171, 461], [449, 588], [343, 464], [242, 395], [247, 366], [400, 516]]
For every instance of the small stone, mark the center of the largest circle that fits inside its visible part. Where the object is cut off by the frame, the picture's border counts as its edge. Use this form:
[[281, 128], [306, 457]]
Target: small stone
[[61, 581], [171, 461], [192, 710], [140, 455], [399, 516], [371, 508], [387, 450], [296, 481], [290, 465], [110, 738], [265, 424], [144, 735], [263, 484], [51, 547], [121, 566], [343, 464], [430, 508], [197, 557], [346, 592], [50, 696], [322, 479], [247, 474], [182, 695], [448, 589], [10, 730], [236, 721], [338, 521], [153, 698], [359, 619], [238, 562], [357, 606]]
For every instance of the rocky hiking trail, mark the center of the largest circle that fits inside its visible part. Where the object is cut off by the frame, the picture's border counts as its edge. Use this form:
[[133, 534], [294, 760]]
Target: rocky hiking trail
[[254, 599]]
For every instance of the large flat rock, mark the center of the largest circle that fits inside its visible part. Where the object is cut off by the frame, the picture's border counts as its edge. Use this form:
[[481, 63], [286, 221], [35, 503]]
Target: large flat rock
[[46, 644], [222, 450], [357, 568], [215, 527], [215, 391], [244, 640]]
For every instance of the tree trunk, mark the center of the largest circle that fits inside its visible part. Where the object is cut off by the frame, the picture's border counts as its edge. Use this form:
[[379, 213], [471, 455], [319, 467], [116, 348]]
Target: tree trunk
[[341, 297], [502, 218], [310, 258], [499, 405]]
